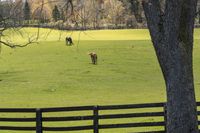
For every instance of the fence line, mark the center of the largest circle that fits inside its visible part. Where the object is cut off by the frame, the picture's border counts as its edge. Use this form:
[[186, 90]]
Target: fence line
[[95, 117]]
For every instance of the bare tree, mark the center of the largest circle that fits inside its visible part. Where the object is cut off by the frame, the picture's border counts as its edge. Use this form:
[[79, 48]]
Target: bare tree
[[12, 21], [115, 12], [171, 31]]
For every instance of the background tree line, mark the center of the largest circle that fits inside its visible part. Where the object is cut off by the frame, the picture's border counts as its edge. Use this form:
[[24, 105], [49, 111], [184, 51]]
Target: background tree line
[[87, 14]]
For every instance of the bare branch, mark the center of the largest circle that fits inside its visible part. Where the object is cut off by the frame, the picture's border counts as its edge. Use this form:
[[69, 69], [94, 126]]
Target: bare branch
[[68, 4], [13, 22], [30, 40]]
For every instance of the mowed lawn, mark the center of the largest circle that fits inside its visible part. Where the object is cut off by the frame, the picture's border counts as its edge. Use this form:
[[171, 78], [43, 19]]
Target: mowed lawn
[[51, 74]]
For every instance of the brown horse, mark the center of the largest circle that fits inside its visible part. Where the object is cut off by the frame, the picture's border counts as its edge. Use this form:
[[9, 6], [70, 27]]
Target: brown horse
[[93, 56]]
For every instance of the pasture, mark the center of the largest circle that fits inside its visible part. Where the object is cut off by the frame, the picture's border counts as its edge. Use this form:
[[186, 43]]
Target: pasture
[[51, 74]]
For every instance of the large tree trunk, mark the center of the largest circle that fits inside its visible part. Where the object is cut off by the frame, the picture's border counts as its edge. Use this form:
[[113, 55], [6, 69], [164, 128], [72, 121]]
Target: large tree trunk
[[172, 36]]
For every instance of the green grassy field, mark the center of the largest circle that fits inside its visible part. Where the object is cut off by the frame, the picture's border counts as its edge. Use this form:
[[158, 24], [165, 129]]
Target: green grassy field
[[51, 74]]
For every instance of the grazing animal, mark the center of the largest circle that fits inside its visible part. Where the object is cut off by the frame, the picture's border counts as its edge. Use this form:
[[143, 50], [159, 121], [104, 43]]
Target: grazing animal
[[93, 56], [69, 41]]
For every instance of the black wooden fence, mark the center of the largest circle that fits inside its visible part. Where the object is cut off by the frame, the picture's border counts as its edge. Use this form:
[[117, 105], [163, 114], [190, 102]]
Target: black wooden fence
[[95, 117]]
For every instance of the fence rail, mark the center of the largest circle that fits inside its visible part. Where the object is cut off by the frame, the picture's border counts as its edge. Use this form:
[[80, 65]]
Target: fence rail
[[95, 117]]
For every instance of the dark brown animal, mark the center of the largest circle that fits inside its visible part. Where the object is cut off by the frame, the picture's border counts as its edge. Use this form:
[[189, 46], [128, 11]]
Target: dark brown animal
[[93, 56], [69, 41]]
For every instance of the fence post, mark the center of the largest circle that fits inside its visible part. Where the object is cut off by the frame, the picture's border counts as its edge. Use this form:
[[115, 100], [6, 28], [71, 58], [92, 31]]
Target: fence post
[[96, 119], [165, 116], [38, 121]]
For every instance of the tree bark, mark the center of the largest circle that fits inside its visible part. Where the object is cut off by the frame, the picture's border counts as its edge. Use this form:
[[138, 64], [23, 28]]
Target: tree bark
[[171, 31]]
